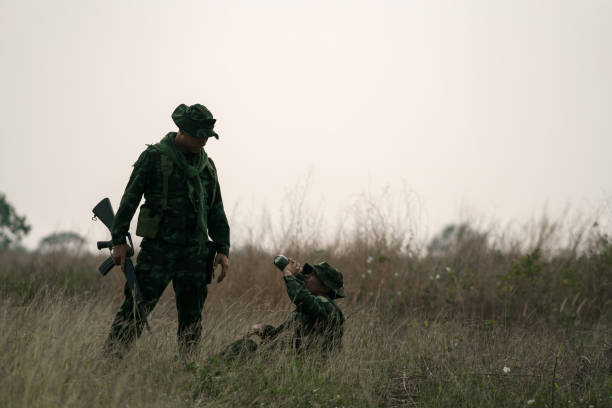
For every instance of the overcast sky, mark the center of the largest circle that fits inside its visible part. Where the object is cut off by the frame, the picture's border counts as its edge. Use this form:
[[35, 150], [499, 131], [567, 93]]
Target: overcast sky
[[499, 107]]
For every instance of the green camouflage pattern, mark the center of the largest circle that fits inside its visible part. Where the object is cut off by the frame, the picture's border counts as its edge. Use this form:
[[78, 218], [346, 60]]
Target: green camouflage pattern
[[191, 172], [179, 224], [240, 348], [316, 320], [195, 120], [158, 263], [316, 324], [329, 276], [176, 252]]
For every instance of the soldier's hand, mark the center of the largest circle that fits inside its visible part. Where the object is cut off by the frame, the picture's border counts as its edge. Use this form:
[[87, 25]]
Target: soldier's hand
[[255, 330], [119, 254], [221, 259], [292, 268]]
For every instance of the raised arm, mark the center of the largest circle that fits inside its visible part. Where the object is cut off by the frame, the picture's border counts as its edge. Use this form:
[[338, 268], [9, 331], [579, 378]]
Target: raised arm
[[305, 301]]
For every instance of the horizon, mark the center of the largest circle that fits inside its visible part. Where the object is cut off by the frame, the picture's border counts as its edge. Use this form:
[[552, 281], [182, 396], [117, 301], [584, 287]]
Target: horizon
[[484, 110]]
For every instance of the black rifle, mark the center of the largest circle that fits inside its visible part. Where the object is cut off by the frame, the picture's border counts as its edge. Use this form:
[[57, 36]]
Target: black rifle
[[210, 261], [104, 212]]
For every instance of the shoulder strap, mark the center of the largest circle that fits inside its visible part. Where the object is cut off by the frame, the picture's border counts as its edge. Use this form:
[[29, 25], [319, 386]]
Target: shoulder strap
[[166, 168]]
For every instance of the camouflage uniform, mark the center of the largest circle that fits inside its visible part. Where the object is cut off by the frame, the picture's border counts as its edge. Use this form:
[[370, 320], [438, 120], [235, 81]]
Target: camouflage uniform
[[317, 322], [175, 220]]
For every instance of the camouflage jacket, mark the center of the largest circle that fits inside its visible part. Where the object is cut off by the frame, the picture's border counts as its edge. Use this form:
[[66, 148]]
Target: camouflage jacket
[[316, 320], [178, 224]]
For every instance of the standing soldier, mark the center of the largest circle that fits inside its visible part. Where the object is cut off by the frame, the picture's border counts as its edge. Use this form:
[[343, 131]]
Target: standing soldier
[[182, 207]]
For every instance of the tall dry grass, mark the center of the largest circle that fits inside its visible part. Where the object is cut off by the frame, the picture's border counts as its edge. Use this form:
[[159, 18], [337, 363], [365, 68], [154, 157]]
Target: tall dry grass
[[426, 325]]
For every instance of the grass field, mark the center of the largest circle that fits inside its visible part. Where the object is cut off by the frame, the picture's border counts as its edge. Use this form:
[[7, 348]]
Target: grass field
[[478, 322]]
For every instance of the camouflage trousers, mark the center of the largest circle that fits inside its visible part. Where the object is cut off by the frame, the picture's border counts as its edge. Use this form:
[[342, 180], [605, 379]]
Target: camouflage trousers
[[157, 265], [245, 347], [241, 347]]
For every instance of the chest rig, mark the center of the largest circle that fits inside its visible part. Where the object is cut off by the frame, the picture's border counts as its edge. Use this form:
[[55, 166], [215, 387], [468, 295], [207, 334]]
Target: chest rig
[[149, 222], [166, 169]]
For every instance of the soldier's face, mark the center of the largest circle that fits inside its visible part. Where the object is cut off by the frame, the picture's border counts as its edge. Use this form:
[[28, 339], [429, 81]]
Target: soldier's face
[[315, 286], [190, 143], [195, 144]]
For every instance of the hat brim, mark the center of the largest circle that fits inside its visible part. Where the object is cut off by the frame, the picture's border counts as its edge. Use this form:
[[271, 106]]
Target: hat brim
[[187, 127], [207, 133], [204, 134], [336, 293]]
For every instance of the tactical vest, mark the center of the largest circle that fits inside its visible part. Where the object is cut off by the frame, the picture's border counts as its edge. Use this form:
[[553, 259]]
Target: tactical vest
[[148, 224]]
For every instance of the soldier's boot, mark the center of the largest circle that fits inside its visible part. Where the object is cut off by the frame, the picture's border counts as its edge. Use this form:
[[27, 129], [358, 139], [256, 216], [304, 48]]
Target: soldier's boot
[[126, 328], [188, 336], [120, 338]]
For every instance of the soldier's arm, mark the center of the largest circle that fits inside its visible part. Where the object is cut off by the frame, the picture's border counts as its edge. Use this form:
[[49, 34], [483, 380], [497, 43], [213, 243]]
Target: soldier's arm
[[305, 301], [131, 198], [218, 227], [270, 332]]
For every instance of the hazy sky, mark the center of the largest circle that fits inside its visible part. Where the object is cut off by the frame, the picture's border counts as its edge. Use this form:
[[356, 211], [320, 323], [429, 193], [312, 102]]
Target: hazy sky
[[500, 107]]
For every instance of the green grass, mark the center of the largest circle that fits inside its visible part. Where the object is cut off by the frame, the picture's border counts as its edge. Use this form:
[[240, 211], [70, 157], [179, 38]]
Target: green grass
[[421, 330], [52, 357]]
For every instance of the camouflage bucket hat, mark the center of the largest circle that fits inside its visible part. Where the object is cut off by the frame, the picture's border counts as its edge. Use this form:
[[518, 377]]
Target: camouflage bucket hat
[[195, 120], [330, 276]]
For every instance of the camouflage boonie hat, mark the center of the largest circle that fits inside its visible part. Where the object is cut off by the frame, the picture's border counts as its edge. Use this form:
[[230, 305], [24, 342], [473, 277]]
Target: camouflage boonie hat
[[195, 120], [330, 276]]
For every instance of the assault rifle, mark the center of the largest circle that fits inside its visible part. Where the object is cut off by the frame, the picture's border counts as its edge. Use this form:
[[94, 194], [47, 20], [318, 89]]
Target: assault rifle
[[104, 212], [210, 261]]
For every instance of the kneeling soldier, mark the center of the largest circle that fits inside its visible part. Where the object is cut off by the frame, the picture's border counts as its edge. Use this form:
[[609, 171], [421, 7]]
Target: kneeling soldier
[[317, 322]]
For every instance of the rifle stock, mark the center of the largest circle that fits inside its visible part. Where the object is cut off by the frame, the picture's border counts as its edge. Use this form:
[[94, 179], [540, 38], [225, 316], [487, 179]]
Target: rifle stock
[[104, 212]]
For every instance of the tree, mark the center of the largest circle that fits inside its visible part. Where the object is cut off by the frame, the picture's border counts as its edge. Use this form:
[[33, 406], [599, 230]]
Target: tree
[[454, 238], [66, 241], [12, 226]]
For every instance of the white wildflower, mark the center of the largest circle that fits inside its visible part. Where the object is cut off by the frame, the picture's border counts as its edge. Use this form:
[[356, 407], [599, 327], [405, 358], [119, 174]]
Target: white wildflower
[[437, 276], [396, 274], [530, 402], [363, 276], [370, 259], [506, 370], [369, 271], [448, 269]]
